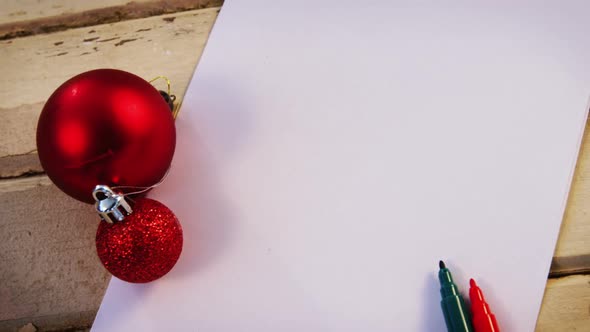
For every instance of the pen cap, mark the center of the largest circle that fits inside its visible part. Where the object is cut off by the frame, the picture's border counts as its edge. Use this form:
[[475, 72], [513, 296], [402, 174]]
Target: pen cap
[[483, 318]]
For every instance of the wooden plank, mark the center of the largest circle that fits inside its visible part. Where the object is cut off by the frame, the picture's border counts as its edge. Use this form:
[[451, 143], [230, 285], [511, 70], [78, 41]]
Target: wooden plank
[[49, 271], [13, 11], [25, 18], [33, 67], [565, 305], [572, 253], [23, 184], [66, 322], [18, 154]]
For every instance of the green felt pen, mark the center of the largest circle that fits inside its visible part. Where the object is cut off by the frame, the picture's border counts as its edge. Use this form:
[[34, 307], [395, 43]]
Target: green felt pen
[[453, 307]]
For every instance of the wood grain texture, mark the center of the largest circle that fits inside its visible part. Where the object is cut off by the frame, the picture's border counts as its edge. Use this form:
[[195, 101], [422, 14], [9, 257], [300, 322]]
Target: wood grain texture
[[44, 17], [48, 263], [18, 151], [572, 253], [566, 305], [13, 11]]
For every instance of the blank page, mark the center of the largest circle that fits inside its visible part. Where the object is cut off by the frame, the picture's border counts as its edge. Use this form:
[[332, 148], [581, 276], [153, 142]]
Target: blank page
[[331, 153]]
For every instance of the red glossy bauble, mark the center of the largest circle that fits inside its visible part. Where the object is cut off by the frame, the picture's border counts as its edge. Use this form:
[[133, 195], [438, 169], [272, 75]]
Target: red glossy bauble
[[144, 246], [105, 127]]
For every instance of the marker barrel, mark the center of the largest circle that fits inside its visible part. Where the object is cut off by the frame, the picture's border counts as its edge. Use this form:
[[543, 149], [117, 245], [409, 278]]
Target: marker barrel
[[453, 306]]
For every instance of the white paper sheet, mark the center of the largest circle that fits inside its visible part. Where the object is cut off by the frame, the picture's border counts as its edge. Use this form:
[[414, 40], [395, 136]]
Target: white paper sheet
[[330, 153]]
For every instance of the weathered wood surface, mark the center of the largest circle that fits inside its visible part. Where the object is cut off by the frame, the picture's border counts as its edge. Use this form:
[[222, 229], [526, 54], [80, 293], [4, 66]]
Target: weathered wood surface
[[49, 273], [29, 17], [13, 11], [566, 305], [572, 253]]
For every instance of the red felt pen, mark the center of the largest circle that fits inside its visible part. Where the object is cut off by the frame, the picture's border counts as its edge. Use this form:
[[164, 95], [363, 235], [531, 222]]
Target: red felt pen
[[482, 317]]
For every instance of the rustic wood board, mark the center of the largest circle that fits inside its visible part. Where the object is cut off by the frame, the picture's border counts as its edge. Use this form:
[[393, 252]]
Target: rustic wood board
[[13, 11], [50, 273], [566, 306], [53, 279], [572, 253], [29, 17]]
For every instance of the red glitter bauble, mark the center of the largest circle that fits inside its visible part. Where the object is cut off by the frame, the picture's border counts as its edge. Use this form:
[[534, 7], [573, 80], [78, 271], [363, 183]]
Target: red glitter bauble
[[144, 246], [105, 127]]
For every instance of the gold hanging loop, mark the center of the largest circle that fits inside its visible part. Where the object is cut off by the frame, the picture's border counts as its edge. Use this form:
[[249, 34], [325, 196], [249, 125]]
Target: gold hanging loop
[[164, 78], [175, 104]]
